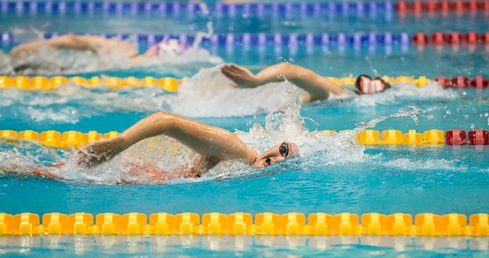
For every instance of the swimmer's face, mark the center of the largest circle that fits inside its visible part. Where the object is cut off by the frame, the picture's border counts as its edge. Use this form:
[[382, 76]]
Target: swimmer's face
[[276, 154]]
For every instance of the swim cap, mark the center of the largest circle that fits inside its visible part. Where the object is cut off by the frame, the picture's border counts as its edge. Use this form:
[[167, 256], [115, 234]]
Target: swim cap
[[366, 85], [171, 47]]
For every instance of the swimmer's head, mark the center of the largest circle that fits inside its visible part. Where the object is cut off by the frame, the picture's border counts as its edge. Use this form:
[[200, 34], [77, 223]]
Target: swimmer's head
[[276, 154]]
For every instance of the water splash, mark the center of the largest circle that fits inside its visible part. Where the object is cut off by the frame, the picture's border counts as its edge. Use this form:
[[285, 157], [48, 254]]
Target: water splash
[[424, 164], [212, 90], [411, 112], [406, 92]]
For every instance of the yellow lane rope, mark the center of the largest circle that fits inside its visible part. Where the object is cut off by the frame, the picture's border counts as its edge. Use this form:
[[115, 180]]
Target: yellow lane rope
[[433, 137], [241, 223], [167, 83]]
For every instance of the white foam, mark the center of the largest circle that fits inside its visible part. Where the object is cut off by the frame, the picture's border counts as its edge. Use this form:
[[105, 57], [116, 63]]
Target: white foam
[[211, 89], [406, 92], [424, 164]]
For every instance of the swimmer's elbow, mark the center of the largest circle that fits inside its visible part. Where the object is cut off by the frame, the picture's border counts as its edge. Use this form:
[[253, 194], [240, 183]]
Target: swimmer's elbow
[[164, 122]]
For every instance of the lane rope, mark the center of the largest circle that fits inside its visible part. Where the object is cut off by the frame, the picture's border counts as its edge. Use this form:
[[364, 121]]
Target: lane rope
[[295, 39], [358, 8], [433, 137], [171, 84], [441, 6], [192, 8], [242, 223], [113, 83]]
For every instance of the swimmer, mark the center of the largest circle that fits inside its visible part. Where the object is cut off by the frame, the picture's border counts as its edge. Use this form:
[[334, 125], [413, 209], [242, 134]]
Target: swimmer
[[98, 45], [212, 144], [318, 87]]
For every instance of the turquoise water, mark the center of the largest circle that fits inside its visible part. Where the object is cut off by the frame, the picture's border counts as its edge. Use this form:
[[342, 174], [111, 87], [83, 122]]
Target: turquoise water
[[296, 23], [333, 174], [244, 246]]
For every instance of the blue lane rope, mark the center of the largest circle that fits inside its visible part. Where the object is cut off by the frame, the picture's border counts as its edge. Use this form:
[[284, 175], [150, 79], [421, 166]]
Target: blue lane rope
[[259, 39], [357, 39], [231, 9]]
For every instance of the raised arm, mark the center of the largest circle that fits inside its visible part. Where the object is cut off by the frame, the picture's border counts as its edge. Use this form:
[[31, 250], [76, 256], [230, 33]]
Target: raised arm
[[318, 86], [74, 42], [213, 143]]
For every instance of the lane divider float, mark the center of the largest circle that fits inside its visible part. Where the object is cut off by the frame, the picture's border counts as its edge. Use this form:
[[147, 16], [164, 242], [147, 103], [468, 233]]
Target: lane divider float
[[238, 9], [51, 83], [441, 6], [371, 39], [194, 8], [451, 38], [172, 84], [434, 137], [241, 223]]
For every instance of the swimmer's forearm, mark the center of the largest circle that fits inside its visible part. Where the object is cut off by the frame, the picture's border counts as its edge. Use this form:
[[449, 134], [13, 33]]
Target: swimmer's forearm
[[153, 125], [27, 48], [62, 42], [275, 73], [317, 85], [138, 60]]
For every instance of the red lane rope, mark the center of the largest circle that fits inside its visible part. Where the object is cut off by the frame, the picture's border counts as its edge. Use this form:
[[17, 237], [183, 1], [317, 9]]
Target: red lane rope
[[441, 6], [463, 82], [453, 38]]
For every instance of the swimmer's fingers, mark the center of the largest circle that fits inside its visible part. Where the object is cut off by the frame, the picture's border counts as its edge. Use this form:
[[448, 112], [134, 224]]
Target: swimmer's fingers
[[228, 71], [17, 52], [83, 159], [100, 151], [239, 75], [231, 70], [88, 157]]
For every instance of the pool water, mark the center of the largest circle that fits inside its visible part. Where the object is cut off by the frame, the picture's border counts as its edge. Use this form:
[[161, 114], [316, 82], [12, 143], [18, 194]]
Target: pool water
[[243, 246], [333, 174]]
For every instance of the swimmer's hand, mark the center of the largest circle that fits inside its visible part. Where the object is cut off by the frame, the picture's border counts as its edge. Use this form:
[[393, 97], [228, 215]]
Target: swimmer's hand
[[240, 75], [100, 151], [24, 50]]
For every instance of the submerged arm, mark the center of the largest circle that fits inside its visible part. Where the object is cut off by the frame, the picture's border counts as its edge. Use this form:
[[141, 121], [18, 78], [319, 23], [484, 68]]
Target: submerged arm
[[316, 85]]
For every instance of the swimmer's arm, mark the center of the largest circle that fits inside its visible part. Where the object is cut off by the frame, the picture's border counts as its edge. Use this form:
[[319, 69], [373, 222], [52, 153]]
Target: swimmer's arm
[[105, 149], [349, 87], [73, 42], [151, 52], [62, 42], [204, 139], [316, 85], [202, 164], [139, 59]]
